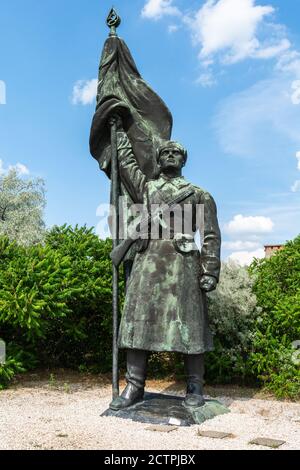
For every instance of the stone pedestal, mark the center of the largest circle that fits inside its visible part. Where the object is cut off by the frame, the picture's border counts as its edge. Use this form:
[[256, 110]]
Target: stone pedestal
[[167, 409]]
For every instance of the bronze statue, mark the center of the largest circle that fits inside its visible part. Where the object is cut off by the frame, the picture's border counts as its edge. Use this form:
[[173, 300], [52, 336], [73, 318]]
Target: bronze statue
[[168, 278], [165, 307]]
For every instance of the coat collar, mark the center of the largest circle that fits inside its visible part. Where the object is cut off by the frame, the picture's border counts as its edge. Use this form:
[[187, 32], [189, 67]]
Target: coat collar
[[178, 183], [168, 188]]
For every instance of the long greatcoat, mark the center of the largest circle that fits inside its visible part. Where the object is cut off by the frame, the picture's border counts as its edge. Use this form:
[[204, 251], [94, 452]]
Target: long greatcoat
[[165, 309]]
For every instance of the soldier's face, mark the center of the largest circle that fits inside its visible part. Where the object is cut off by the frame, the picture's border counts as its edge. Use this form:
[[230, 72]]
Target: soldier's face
[[171, 158]]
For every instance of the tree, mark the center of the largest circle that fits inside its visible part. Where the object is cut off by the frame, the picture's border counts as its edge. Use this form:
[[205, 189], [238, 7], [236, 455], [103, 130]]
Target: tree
[[22, 202], [233, 312], [275, 358], [56, 302]]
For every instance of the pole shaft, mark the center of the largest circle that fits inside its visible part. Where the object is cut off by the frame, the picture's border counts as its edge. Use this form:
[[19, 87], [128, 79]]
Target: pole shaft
[[115, 185]]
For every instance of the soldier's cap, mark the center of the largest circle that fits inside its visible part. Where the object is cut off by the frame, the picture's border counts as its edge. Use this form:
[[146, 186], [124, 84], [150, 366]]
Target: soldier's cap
[[171, 144]]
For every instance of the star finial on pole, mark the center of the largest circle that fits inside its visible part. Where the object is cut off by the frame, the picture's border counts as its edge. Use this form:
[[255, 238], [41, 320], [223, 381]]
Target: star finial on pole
[[113, 21]]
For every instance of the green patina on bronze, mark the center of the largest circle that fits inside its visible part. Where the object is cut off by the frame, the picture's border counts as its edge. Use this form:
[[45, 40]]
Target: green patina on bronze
[[165, 308]]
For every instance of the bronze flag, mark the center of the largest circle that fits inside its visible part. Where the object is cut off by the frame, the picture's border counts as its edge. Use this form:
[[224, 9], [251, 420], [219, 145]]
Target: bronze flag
[[146, 118]]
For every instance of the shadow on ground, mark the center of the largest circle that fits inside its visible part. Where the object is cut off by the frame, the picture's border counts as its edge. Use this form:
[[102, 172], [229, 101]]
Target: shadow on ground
[[71, 381]]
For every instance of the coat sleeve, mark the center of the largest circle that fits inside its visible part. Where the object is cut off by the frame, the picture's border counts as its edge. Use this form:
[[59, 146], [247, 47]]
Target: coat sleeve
[[132, 177], [211, 237]]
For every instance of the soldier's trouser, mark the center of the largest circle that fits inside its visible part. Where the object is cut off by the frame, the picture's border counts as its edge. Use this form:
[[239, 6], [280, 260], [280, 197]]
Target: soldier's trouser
[[194, 369], [137, 360]]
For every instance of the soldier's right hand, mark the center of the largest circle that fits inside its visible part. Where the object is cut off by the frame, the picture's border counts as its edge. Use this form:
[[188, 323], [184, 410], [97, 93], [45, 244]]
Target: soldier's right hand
[[208, 283], [120, 127]]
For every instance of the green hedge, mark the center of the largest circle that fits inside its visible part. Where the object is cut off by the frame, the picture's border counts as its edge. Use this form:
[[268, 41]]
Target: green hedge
[[55, 302], [233, 314], [55, 310], [274, 358]]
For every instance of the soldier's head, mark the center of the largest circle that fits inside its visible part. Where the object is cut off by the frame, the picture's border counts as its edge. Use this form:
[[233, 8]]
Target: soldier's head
[[171, 154]]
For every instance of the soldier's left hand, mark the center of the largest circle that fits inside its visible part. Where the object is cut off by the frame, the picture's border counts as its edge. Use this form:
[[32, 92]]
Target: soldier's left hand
[[115, 118], [208, 283]]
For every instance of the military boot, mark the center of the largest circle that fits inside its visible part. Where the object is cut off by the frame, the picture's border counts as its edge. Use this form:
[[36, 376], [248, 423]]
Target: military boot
[[194, 369], [135, 377]]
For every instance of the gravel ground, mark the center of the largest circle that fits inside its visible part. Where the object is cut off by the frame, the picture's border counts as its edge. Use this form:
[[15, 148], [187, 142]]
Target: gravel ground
[[63, 412]]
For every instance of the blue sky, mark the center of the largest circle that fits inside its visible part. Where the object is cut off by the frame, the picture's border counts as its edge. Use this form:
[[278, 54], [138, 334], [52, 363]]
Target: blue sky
[[229, 70]]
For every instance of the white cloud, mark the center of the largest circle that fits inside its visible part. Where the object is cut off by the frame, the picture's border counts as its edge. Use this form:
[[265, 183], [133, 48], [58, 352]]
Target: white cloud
[[2, 92], [84, 91], [285, 216], [256, 225], [249, 122], [2, 170], [19, 168], [230, 27], [240, 245], [155, 9], [298, 158], [172, 28], [206, 79], [272, 51], [102, 229], [295, 97], [245, 258], [289, 63], [230, 31], [296, 186]]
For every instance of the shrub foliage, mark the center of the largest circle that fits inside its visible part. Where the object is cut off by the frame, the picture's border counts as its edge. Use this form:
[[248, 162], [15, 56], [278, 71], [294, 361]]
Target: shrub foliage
[[55, 301], [22, 202], [233, 312], [275, 359], [55, 310]]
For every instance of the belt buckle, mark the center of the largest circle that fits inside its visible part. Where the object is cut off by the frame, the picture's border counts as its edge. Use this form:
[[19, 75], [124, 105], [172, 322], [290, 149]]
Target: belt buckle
[[184, 243]]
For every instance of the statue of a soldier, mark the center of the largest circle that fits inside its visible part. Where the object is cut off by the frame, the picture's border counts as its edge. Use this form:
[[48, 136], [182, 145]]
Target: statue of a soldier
[[165, 307]]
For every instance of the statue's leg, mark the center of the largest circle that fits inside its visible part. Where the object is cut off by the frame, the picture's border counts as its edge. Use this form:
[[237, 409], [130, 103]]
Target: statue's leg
[[194, 369], [136, 375]]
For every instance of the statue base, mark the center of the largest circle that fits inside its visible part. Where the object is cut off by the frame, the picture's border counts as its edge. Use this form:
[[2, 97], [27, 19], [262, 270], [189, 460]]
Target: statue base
[[157, 408]]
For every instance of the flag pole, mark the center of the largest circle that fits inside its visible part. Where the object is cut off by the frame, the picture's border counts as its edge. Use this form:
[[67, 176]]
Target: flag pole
[[113, 21], [115, 299]]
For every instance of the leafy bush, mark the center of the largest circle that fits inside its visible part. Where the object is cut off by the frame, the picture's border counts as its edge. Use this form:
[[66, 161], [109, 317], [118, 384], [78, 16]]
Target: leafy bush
[[56, 310], [34, 284], [274, 359], [55, 301], [9, 370], [83, 337], [233, 311], [22, 202]]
